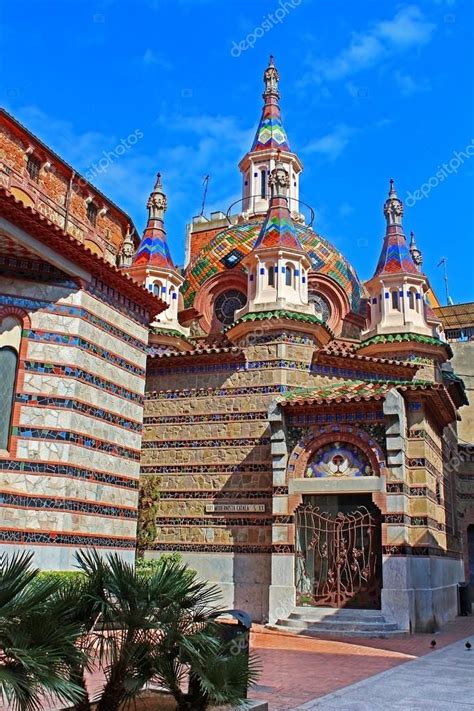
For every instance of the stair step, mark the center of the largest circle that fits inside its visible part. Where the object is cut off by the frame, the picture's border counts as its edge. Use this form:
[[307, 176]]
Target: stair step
[[336, 625], [346, 618], [326, 631]]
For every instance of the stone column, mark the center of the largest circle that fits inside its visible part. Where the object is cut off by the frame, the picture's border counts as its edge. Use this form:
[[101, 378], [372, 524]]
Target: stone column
[[282, 589], [398, 599]]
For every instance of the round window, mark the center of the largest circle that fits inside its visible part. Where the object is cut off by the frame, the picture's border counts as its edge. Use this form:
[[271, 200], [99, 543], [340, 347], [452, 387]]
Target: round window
[[227, 304], [322, 306]]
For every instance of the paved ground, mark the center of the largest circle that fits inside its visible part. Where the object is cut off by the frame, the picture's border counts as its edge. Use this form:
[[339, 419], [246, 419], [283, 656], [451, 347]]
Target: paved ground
[[439, 681], [299, 669]]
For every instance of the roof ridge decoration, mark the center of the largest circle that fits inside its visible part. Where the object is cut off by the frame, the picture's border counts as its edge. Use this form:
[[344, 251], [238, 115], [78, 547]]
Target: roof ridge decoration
[[153, 249], [395, 257], [404, 337], [278, 230], [270, 132]]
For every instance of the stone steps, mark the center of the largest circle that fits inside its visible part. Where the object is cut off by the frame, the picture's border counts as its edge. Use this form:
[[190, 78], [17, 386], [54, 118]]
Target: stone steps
[[325, 621]]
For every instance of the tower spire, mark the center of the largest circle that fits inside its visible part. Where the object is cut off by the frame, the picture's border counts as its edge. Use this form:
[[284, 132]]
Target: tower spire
[[153, 249], [395, 256], [269, 139], [270, 132]]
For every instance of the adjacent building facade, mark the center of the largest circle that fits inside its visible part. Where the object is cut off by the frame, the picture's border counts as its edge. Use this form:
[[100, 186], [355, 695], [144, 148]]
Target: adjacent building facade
[[73, 347]]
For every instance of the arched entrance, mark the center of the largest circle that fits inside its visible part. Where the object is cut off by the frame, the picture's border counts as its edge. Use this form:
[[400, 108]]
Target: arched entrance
[[338, 551]]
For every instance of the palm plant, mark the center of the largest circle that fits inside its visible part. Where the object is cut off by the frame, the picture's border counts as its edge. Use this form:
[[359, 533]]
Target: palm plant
[[159, 626], [36, 653]]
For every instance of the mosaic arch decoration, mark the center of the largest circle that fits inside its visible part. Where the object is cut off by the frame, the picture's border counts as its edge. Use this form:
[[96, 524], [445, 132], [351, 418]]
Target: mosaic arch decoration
[[338, 459]]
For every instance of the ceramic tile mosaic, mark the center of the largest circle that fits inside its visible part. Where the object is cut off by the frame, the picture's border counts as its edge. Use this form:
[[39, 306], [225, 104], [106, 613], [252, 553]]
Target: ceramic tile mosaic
[[395, 256], [324, 257]]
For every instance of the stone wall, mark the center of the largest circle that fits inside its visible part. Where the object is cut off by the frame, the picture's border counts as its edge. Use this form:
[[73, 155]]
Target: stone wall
[[70, 475]]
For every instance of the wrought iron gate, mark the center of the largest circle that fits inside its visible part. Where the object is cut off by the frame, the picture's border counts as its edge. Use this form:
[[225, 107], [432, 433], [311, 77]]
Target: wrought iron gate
[[337, 558]]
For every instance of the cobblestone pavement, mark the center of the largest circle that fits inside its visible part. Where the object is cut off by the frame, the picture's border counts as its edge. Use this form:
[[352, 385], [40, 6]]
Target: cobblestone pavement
[[298, 669]]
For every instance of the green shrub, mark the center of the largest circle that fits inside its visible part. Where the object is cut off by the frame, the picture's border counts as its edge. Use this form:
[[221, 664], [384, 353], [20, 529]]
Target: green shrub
[[147, 566]]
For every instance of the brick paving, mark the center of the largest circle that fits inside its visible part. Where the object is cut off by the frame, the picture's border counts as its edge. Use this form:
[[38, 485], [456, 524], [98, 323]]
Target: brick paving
[[297, 669]]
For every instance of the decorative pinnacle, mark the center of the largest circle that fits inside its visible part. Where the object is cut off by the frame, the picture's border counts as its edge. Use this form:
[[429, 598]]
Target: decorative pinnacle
[[271, 79], [279, 180], [416, 253], [157, 202], [393, 207]]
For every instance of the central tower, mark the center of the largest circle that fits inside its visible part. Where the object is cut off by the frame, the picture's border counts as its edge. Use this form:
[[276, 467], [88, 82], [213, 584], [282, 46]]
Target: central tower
[[270, 142]]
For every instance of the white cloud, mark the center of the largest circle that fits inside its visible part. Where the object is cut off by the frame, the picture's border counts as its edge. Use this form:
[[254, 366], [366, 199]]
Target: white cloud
[[333, 143], [407, 29], [408, 85], [151, 58]]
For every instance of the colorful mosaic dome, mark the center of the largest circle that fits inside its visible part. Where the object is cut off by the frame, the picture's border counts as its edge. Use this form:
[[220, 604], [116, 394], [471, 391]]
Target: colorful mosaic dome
[[231, 245]]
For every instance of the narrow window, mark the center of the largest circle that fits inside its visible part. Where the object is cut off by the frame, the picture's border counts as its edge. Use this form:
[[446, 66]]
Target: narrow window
[[8, 365], [92, 213], [395, 302], [411, 299], [271, 276], [263, 184], [289, 276], [33, 166]]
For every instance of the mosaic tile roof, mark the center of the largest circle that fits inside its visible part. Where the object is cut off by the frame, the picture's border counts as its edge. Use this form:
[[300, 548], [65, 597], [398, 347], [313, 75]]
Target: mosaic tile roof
[[406, 337], [348, 390], [395, 257], [270, 132], [325, 259], [278, 230], [153, 250]]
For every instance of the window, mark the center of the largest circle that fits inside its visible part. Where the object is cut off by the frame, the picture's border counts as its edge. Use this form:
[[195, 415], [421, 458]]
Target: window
[[92, 213], [263, 184], [288, 276], [10, 337], [227, 304], [33, 166], [156, 288], [271, 276], [395, 301], [411, 299], [322, 307]]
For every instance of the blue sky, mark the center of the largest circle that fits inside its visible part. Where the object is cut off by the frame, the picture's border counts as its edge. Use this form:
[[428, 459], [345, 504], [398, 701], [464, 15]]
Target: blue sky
[[370, 90]]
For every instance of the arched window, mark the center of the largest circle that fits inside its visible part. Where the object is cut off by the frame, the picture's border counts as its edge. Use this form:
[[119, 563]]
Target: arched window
[[157, 288], [8, 365], [395, 300], [271, 276], [10, 337], [263, 183], [411, 299], [288, 275]]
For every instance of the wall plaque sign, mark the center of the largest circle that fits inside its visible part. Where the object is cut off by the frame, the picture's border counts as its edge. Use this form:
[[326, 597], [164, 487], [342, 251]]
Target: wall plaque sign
[[235, 508]]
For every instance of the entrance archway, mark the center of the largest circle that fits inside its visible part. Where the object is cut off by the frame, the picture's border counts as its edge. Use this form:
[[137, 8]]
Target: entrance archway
[[338, 551]]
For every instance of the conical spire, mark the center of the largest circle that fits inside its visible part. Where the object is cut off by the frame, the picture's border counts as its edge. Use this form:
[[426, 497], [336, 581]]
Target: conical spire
[[270, 131], [278, 230], [153, 249], [416, 254], [395, 256]]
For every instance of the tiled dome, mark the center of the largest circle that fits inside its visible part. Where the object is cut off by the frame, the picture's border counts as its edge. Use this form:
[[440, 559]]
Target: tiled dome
[[229, 247]]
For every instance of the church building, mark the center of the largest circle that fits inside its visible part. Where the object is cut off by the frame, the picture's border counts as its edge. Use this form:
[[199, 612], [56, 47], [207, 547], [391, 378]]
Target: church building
[[297, 425]]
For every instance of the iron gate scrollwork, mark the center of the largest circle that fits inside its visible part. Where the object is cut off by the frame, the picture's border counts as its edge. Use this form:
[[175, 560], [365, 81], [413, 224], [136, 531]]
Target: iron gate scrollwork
[[337, 558]]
